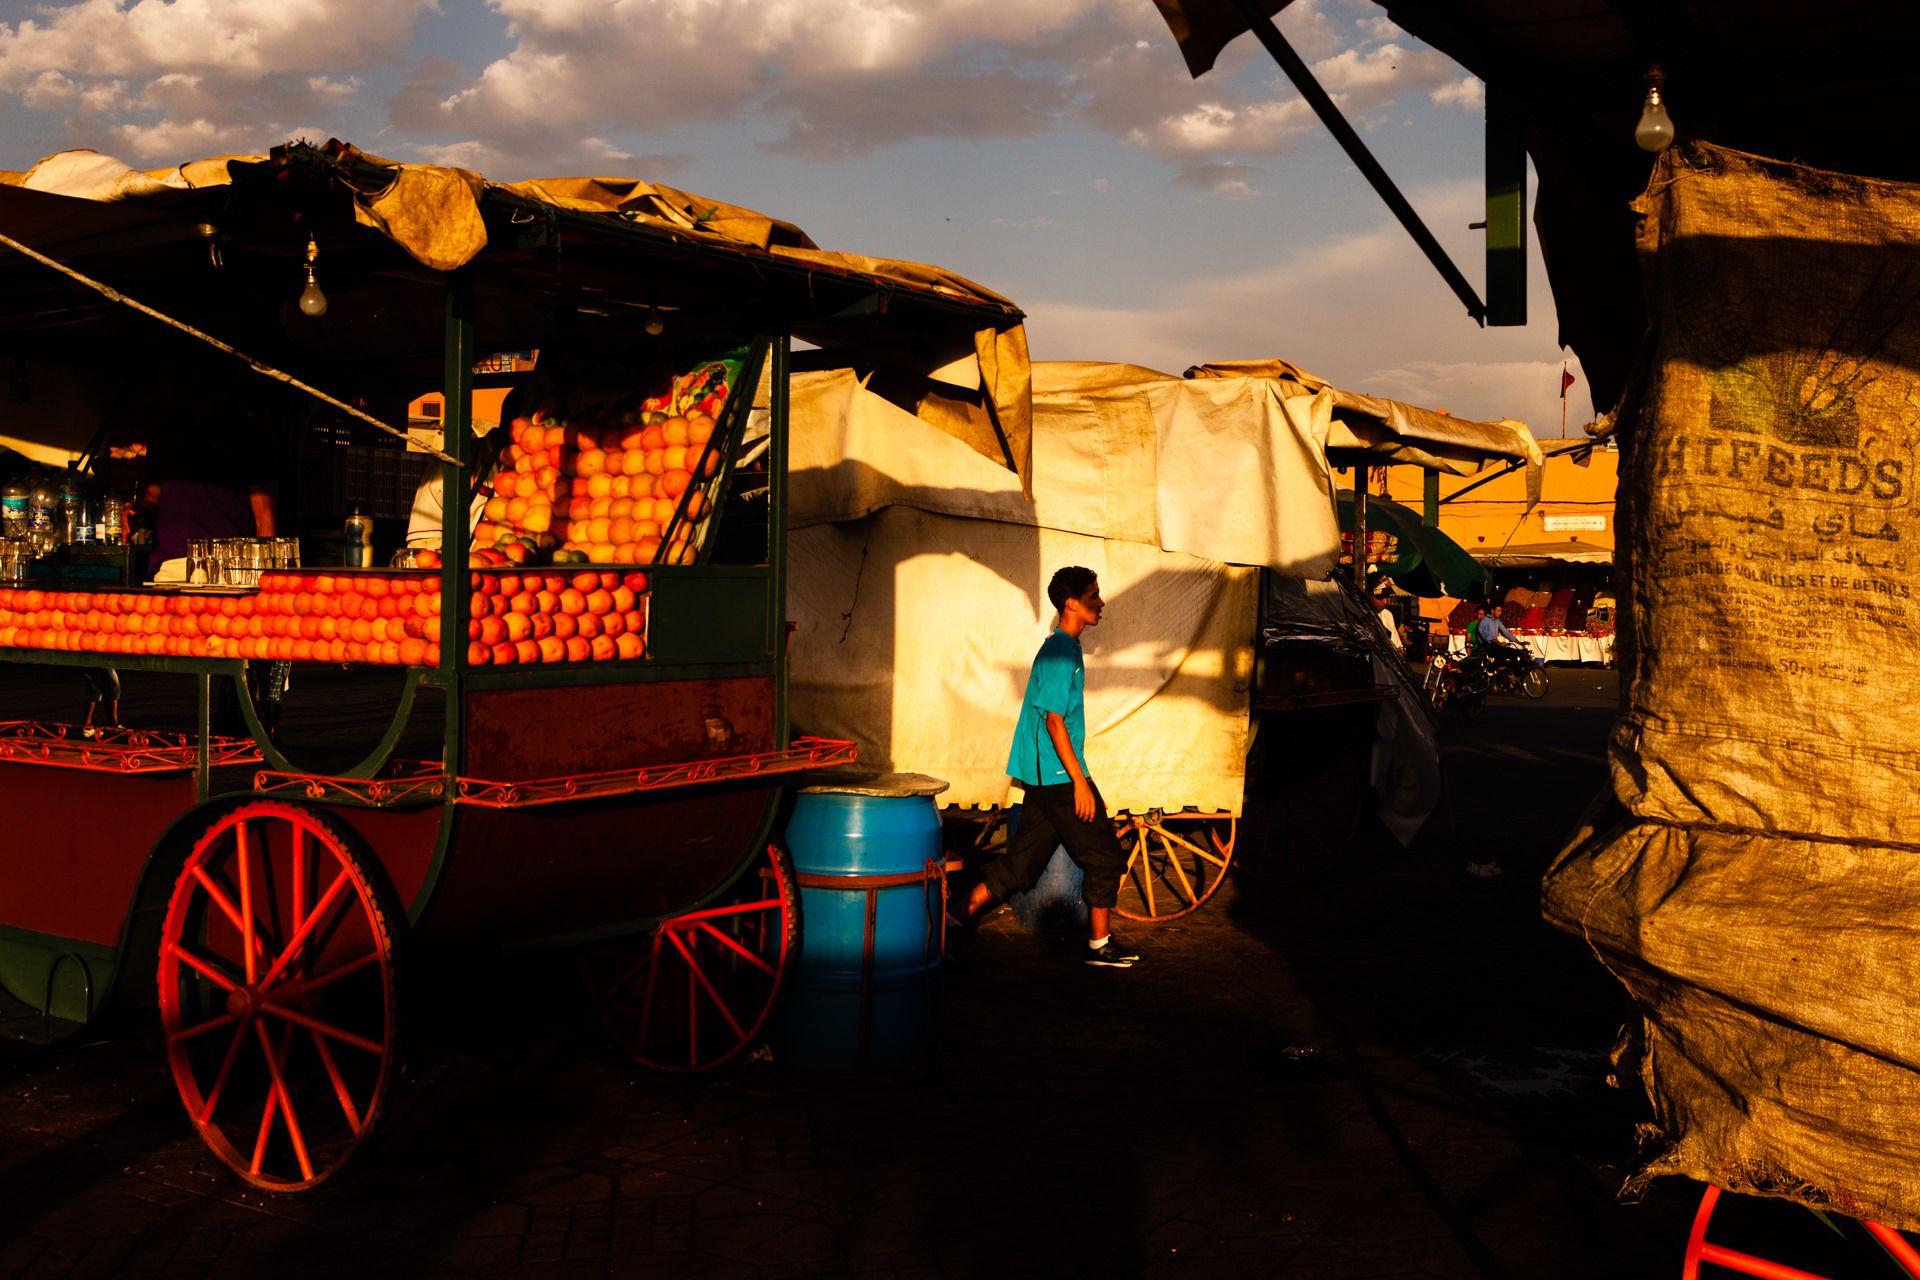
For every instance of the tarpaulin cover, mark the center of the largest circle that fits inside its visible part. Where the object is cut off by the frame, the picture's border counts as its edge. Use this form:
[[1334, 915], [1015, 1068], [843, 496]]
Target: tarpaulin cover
[[1202, 28], [916, 631], [1534, 555], [1389, 431], [1224, 470], [1760, 894]]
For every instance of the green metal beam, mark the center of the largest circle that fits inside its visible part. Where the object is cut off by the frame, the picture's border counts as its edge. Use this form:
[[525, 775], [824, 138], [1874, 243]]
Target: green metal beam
[[1506, 155]]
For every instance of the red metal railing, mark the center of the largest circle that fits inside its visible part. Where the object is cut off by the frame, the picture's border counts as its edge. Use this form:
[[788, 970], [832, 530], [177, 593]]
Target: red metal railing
[[113, 749], [424, 780]]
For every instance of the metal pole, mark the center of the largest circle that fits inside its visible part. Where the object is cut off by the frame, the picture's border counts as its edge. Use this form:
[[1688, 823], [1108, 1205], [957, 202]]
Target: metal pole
[[1360, 527], [1298, 72]]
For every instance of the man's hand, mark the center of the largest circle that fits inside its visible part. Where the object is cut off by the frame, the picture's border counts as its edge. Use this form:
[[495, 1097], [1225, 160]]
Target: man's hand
[[1083, 806]]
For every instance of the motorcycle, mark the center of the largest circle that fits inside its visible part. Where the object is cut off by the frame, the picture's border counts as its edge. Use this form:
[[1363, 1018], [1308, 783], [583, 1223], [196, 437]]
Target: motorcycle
[[1465, 683]]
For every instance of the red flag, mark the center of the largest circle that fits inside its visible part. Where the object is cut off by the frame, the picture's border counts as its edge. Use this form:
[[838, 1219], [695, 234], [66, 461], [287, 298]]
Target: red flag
[[1566, 380]]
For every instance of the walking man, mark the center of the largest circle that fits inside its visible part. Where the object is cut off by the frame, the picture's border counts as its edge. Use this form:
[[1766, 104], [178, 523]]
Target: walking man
[[1048, 759]]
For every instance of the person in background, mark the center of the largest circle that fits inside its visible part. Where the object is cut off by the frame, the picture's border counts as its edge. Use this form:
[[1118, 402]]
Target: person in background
[[1497, 643], [211, 473], [1047, 758], [427, 521], [1383, 609]]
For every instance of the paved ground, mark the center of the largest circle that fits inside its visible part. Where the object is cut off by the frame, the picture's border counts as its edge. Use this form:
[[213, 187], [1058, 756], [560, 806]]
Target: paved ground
[[1394, 1073]]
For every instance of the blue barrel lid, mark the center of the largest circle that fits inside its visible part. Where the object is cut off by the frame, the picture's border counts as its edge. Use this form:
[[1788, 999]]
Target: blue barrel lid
[[858, 782]]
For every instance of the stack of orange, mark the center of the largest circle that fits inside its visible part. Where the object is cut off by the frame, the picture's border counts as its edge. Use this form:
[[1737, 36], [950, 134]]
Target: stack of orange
[[556, 617], [604, 495]]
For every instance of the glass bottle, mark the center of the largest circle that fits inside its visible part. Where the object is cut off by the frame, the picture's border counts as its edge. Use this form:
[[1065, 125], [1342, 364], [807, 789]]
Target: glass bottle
[[359, 539], [13, 507], [43, 514], [73, 501]]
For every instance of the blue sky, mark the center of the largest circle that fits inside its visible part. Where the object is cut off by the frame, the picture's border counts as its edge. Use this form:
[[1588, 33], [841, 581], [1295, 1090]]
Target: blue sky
[[1058, 153]]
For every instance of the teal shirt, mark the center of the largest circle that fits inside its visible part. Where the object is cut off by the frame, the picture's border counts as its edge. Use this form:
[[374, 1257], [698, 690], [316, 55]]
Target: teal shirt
[[1057, 683]]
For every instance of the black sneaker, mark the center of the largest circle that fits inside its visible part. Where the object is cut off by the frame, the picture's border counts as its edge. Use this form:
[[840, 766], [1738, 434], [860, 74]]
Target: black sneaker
[[1111, 956]]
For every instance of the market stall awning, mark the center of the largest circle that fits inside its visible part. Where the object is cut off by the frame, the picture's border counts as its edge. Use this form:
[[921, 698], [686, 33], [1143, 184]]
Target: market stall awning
[[192, 239], [1377, 430], [1426, 562], [1538, 555]]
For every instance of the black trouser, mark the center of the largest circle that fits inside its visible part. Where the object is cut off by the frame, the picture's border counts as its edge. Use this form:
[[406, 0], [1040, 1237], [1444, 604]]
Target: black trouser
[[1047, 819]]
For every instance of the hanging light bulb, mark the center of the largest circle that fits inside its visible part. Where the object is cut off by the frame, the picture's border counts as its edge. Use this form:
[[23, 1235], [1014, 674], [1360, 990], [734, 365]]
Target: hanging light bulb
[[313, 302], [656, 323], [1655, 130]]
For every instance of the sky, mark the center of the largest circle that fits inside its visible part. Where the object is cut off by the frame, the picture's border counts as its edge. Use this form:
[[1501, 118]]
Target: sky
[[1058, 152]]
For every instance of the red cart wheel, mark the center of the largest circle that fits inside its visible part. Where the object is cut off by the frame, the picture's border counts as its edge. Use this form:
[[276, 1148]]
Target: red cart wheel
[[277, 993], [697, 992], [1899, 1250], [1175, 862]]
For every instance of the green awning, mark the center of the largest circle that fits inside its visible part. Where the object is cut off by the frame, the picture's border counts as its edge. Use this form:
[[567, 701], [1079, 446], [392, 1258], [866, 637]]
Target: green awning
[[1426, 562]]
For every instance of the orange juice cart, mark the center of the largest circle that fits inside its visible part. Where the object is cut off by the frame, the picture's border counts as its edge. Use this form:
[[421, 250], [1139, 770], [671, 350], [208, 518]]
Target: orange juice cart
[[598, 674]]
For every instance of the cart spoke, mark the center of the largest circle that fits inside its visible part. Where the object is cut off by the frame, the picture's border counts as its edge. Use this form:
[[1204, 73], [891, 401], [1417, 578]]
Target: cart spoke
[[743, 952], [736, 909], [1166, 833], [307, 926], [1146, 881], [1179, 873], [220, 1080], [324, 1028], [299, 872], [211, 1024], [338, 972], [247, 940], [205, 968], [339, 1082], [286, 1107], [700, 976]]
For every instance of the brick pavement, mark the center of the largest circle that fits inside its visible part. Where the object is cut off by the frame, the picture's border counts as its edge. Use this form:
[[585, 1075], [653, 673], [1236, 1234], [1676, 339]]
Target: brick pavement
[[1393, 1074]]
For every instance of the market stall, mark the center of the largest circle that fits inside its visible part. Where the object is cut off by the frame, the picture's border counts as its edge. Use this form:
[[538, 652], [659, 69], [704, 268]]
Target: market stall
[[919, 580], [1556, 598], [588, 725]]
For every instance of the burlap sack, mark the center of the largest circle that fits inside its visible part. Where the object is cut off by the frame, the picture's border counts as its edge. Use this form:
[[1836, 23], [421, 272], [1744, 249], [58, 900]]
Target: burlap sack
[[1760, 894]]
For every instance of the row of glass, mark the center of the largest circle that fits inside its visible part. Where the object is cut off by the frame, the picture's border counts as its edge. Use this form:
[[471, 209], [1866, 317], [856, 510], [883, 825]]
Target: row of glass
[[238, 562]]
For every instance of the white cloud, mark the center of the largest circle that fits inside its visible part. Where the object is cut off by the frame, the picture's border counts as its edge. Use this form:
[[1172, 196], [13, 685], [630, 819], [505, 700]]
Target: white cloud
[[1468, 93], [1366, 311]]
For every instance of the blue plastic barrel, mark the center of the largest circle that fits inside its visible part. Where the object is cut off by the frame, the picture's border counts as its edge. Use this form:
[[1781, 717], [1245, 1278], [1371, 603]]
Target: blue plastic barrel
[[863, 995]]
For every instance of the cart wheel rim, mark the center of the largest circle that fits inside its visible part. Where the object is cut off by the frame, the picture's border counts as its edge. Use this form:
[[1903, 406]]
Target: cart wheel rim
[[697, 993], [1175, 862], [278, 994]]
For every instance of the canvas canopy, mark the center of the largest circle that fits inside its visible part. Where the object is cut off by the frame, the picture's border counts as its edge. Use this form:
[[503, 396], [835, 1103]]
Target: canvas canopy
[[82, 205], [1535, 555], [1427, 562]]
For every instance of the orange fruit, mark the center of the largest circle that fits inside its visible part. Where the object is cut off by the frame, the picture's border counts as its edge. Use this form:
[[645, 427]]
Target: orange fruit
[[547, 477], [697, 505], [542, 625], [619, 530], [492, 630], [628, 645], [573, 601], [579, 649], [519, 626], [637, 623], [515, 552], [604, 648], [517, 509], [613, 624], [653, 438], [641, 486], [553, 649], [526, 651], [647, 549], [599, 600], [522, 602], [675, 457], [589, 462], [619, 487], [656, 461], [556, 439], [596, 530], [588, 625], [675, 431], [600, 486], [538, 519], [699, 428], [634, 462], [674, 483], [504, 654], [624, 598], [413, 652]]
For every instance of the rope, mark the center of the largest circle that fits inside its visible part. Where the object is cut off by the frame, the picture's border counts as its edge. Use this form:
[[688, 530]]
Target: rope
[[114, 295]]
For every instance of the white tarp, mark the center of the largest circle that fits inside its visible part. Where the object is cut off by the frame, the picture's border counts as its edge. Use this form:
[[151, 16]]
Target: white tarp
[[1223, 469], [916, 631]]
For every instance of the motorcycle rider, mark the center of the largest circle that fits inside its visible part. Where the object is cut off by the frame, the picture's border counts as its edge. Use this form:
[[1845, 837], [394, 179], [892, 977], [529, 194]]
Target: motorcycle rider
[[1496, 643]]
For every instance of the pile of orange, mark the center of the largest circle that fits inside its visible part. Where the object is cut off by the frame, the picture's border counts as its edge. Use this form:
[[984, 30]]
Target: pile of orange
[[322, 617], [527, 617], [604, 495]]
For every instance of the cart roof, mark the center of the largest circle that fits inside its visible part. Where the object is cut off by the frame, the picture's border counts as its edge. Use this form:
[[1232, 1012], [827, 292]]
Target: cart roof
[[220, 244]]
